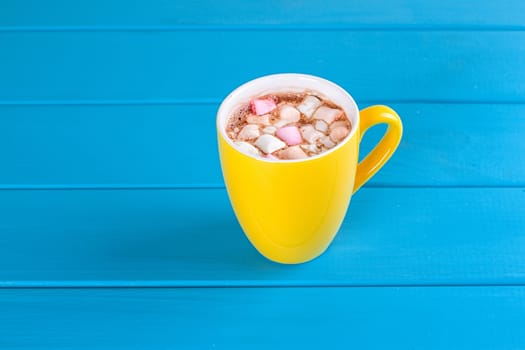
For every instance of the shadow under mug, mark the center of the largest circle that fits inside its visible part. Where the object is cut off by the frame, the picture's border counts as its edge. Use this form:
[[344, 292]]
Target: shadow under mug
[[291, 210]]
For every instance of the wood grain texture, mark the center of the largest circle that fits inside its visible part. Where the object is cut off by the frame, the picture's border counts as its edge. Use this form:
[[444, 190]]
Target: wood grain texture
[[102, 95], [140, 146], [204, 66], [277, 318], [191, 238], [56, 14]]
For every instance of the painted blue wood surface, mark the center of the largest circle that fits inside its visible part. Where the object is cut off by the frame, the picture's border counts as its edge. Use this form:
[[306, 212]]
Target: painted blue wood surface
[[85, 14], [139, 146], [204, 66], [391, 236], [254, 318], [92, 194]]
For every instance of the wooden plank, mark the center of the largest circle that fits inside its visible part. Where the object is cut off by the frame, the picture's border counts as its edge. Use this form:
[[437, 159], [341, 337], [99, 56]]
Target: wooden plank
[[391, 236], [19, 14], [204, 66], [140, 146], [277, 318]]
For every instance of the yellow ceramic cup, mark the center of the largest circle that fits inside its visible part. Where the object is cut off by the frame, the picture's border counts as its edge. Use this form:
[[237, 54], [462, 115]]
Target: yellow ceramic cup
[[291, 210]]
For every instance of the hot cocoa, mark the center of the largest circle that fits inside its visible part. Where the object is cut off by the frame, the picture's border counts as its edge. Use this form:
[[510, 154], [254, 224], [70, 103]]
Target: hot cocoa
[[288, 126]]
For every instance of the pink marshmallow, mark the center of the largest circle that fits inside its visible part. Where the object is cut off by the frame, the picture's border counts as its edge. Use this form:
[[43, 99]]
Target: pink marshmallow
[[262, 106], [290, 134]]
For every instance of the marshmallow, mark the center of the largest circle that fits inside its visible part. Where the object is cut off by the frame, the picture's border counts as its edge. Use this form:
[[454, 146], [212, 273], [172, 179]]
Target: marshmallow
[[259, 119], [337, 124], [327, 114], [247, 148], [311, 147], [270, 130], [270, 156], [309, 105], [289, 113], [269, 144], [339, 133], [293, 129], [249, 132], [325, 141], [310, 134], [290, 135], [262, 106], [281, 123], [294, 152], [321, 125]]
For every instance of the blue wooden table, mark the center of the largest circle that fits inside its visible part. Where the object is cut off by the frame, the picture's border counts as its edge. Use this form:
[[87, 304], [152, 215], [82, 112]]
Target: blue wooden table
[[115, 228]]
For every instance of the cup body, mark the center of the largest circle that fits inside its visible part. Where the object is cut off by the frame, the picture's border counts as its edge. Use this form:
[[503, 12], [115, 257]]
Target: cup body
[[290, 210]]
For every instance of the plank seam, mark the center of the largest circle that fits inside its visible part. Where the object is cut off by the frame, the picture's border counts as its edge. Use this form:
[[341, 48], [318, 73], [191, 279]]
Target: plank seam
[[271, 27], [165, 285], [211, 101], [139, 187]]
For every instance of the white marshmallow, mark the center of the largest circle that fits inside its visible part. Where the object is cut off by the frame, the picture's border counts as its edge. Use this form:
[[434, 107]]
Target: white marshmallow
[[327, 142], [270, 130], [327, 114], [247, 148], [309, 105], [269, 144], [249, 132], [259, 119], [294, 152], [289, 113], [310, 134], [312, 148], [281, 123], [339, 133], [270, 156], [337, 124], [321, 125]]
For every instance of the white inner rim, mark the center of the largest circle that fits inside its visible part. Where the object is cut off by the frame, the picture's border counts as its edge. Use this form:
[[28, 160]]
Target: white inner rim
[[289, 82]]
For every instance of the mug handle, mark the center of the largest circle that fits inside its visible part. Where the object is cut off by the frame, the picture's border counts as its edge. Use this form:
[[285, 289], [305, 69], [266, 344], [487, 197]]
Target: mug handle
[[382, 152]]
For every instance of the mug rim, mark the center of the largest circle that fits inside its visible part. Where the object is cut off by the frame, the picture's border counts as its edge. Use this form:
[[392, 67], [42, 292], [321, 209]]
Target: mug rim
[[288, 76]]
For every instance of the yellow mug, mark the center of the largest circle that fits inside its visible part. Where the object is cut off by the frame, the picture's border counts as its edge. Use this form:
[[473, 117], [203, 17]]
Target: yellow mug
[[291, 210]]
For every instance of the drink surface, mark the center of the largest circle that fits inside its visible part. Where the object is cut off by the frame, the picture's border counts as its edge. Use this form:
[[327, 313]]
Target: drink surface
[[287, 126]]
